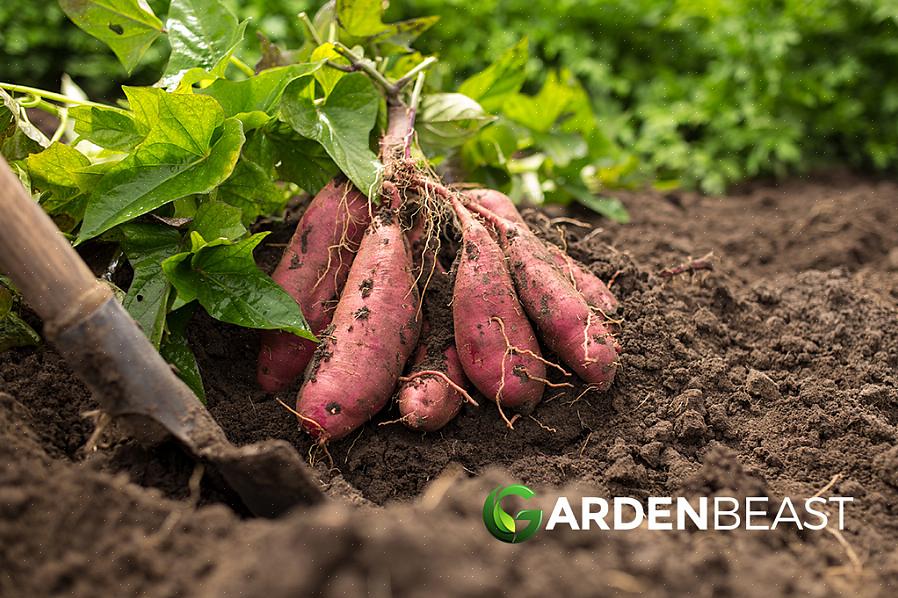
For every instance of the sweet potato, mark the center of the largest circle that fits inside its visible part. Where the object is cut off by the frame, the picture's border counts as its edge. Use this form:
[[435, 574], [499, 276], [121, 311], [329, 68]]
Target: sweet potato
[[313, 270], [590, 286], [496, 202], [427, 402], [432, 392], [374, 330], [496, 344], [565, 321]]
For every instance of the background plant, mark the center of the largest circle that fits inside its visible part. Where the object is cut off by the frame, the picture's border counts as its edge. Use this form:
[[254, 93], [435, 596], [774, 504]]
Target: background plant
[[701, 93]]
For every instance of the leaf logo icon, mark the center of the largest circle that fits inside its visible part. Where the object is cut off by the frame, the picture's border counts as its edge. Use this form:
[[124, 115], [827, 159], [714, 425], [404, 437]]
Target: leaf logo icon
[[502, 525]]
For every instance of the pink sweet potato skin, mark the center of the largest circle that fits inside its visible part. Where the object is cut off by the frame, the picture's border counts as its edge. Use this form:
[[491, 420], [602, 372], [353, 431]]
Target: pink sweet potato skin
[[338, 212], [590, 286], [566, 323], [482, 296], [496, 202], [374, 330], [427, 403]]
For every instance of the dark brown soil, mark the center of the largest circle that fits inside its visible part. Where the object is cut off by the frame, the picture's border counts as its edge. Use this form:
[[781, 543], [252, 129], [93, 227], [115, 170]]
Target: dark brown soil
[[773, 374]]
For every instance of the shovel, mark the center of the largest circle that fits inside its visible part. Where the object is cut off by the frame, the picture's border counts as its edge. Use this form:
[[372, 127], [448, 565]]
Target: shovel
[[128, 377]]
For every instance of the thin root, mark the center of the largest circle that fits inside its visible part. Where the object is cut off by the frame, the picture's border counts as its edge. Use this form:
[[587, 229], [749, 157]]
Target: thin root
[[101, 421], [400, 420], [583, 394], [548, 383], [585, 442], [343, 242], [586, 358], [543, 426], [322, 445], [590, 235], [702, 263], [508, 422], [613, 278], [829, 485], [302, 417], [193, 484], [849, 550], [445, 379], [509, 349], [571, 221], [352, 445]]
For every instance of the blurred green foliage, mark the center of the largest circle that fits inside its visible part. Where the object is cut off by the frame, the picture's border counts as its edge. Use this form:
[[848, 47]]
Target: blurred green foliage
[[38, 43], [691, 92], [704, 92]]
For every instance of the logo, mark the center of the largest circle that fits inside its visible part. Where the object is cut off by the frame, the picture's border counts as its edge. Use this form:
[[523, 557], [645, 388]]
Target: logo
[[599, 513], [502, 525]]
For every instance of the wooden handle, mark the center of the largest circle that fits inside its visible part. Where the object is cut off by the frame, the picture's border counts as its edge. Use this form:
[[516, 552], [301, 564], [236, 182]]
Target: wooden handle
[[40, 261]]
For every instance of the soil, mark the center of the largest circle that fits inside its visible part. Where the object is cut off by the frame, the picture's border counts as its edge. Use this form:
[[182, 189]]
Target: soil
[[774, 374]]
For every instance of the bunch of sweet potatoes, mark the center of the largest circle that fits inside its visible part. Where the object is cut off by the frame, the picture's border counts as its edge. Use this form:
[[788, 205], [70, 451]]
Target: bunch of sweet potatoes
[[394, 321], [371, 277]]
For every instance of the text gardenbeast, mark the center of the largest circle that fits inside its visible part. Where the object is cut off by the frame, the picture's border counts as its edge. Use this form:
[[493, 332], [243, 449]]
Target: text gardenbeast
[[716, 513]]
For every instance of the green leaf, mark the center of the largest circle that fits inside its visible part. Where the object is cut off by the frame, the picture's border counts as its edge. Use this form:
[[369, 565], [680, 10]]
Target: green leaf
[[14, 332], [341, 123], [541, 111], [176, 350], [328, 76], [403, 33], [251, 188], [146, 245], [609, 207], [493, 146], [218, 220], [174, 160], [18, 137], [57, 170], [224, 278], [503, 78], [107, 127], [203, 34], [184, 119], [258, 94], [6, 299], [127, 26], [446, 120], [360, 18], [306, 163]]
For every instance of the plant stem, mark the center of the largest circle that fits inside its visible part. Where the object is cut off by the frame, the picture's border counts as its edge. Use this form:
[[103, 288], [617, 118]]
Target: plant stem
[[310, 28], [416, 93], [63, 122], [242, 66], [341, 67], [36, 102], [366, 66], [415, 70], [49, 95]]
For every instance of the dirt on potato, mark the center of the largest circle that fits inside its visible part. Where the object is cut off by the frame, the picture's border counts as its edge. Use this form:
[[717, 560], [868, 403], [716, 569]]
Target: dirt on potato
[[774, 374]]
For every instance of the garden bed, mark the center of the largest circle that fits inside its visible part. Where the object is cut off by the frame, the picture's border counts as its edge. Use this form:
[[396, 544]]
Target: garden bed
[[772, 374]]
